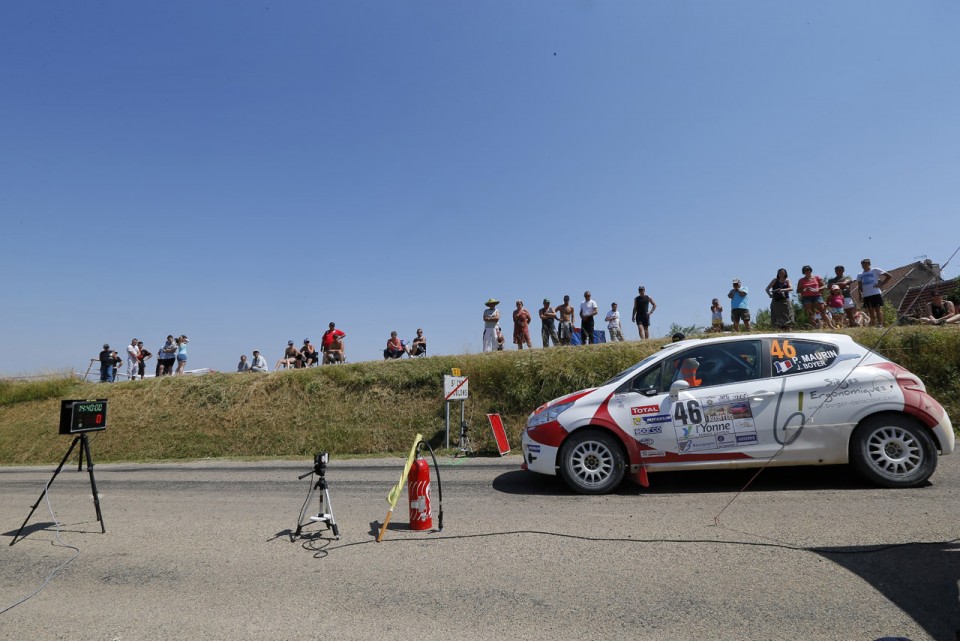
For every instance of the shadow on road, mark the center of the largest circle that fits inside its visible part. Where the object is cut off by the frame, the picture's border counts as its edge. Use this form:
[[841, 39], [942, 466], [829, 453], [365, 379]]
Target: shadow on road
[[919, 579], [774, 479]]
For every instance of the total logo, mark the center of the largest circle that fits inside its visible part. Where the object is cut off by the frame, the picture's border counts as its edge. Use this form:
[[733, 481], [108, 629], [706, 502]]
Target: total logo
[[645, 409]]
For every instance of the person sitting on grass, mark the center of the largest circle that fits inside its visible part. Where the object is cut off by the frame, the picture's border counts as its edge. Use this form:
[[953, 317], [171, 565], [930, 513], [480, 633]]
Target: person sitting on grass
[[333, 351], [940, 312], [419, 345], [289, 358], [259, 363], [394, 348]]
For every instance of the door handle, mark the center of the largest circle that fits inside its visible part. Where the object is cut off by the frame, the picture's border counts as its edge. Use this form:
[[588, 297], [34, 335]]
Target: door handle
[[761, 395]]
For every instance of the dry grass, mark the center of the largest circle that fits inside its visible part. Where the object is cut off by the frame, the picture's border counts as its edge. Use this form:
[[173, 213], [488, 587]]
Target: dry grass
[[360, 409]]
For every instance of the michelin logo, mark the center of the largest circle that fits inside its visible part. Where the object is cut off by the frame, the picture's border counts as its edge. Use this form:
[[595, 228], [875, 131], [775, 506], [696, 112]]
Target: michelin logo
[[659, 418]]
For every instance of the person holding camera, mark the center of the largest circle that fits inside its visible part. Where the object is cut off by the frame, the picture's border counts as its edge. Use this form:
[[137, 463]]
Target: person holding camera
[[781, 309], [181, 353], [739, 306]]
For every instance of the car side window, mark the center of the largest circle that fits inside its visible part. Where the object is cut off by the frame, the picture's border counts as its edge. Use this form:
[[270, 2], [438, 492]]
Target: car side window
[[800, 356], [646, 382], [718, 364]]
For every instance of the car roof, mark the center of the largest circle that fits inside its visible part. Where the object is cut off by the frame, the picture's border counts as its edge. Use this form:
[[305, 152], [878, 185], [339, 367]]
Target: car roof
[[814, 336]]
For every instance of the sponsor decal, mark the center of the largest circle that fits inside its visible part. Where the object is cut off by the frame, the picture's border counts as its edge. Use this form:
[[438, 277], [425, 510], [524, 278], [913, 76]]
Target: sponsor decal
[[792, 363], [646, 441], [714, 422], [653, 429], [644, 409], [652, 453], [618, 399], [695, 444], [533, 447], [659, 418], [783, 367]]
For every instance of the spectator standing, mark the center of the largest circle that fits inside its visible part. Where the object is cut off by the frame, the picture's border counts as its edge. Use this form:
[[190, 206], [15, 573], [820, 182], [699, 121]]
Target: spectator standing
[[491, 318], [643, 307], [521, 326], [843, 282], [394, 348], [613, 323], [810, 288], [716, 315], [548, 323], [565, 315], [259, 363], [106, 364], [166, 357], [871, 282], [142, 357], [308, 353], [781, 309], [331, 336], [133, 364], [588, 310], [243, 365], [182, 341], [835, 305], [739, 305]]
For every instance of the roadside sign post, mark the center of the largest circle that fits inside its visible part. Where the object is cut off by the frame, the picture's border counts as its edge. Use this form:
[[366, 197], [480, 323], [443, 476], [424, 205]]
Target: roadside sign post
[[455, 388]]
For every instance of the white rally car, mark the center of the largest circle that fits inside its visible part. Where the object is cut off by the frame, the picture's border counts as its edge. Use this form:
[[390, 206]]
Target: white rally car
[[743, 401]]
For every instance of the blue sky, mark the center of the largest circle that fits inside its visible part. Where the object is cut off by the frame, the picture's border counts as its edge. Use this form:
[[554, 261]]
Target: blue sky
[[244, 173]]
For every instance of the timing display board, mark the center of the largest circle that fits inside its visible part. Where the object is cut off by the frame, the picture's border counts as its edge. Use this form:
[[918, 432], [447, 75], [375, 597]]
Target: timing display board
[[83, 416]]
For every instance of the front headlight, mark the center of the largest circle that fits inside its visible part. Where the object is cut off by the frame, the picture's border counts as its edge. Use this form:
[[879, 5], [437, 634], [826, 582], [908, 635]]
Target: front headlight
[[547, 415]]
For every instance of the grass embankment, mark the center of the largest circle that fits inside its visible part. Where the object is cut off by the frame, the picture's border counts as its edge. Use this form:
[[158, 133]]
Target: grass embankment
[[364, 408]]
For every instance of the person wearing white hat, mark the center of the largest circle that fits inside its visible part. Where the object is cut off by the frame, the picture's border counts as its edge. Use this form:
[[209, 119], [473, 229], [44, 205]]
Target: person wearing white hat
[[491, 316]]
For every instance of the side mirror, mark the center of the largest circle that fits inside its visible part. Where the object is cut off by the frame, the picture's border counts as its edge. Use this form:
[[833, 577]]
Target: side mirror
[[677, 387]]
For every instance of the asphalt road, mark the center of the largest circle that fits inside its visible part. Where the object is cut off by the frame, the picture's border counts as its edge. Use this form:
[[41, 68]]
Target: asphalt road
[[203, 550]]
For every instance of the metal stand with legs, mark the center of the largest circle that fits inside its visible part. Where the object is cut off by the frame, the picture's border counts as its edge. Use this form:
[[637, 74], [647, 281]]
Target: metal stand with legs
[[464, 447], [327, 518], [84, 451]]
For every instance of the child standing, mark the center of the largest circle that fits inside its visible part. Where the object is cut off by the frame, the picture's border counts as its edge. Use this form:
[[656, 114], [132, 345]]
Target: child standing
[[716, 316]]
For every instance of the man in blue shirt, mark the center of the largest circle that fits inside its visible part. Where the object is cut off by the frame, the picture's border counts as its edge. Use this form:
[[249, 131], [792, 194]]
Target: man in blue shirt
[[740, 307]]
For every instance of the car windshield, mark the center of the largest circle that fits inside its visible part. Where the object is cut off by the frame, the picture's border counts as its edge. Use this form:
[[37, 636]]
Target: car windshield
[[632, 368]]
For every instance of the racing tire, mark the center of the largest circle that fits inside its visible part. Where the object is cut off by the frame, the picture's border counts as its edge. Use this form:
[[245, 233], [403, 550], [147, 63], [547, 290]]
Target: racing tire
[[592, 462], [893, 451]]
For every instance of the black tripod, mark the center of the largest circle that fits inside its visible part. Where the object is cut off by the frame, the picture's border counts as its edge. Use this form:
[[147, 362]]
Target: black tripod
[[465, 446], [320, 469], [84, 449]]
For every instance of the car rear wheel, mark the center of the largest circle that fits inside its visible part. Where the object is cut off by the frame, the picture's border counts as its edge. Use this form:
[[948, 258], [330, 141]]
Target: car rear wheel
[[592, 462], [893, 451]]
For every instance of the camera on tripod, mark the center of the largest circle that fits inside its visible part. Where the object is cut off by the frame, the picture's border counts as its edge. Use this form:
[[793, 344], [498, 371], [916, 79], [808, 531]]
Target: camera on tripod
[[320, 463], [323, 516]]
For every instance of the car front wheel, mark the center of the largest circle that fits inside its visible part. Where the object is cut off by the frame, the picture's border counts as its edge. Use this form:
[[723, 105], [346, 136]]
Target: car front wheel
[[592, 462], [893, 451]]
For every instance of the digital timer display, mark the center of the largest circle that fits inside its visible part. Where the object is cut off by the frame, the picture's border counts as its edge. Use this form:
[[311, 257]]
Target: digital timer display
[[83, 416], [89, 416]]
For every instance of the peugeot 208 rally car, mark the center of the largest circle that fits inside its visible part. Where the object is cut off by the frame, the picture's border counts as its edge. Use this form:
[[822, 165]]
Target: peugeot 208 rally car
[[743, 401]]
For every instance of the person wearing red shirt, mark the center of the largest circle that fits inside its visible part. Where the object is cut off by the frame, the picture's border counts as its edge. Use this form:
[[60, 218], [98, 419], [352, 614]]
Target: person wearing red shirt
[[331, 336]]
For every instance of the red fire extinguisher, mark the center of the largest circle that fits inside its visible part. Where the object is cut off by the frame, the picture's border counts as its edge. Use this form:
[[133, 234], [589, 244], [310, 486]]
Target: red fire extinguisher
[[418, 490]]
